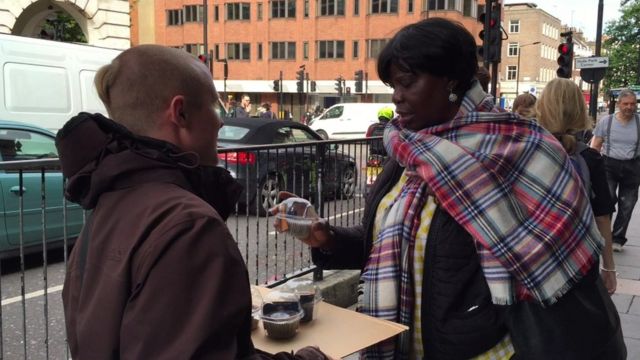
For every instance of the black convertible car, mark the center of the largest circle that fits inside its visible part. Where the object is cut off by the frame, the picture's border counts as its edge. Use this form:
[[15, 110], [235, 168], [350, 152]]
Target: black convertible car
[[292, 166]]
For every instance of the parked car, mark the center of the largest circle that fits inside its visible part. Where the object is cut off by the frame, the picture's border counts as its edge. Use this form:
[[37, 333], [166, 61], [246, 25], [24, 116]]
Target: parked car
[[347, 120], [265, 172], [19, 141]]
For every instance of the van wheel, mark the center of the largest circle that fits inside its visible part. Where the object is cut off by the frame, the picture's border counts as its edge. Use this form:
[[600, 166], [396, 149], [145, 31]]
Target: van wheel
[[323, 134]]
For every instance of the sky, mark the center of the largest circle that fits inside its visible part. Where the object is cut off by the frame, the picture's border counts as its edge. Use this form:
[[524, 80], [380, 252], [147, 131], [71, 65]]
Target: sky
[[582, 14]]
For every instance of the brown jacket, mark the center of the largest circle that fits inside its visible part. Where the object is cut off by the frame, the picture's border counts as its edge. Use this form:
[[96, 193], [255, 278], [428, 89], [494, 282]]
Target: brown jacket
[[162, 277]]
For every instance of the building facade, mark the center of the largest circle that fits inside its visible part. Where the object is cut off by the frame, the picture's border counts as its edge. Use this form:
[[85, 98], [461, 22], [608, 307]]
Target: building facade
[[530, 53], [262, 39], [104, 23]]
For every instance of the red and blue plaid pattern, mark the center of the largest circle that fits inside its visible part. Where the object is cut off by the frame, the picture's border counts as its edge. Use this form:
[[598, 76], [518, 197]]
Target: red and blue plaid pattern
[[510, 184]]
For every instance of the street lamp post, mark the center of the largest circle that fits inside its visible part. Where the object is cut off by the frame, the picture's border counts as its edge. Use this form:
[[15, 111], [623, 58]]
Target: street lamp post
[[518, 73]]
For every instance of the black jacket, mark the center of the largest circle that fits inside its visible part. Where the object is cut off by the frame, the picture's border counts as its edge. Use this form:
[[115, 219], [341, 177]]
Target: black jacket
[[458, 318]]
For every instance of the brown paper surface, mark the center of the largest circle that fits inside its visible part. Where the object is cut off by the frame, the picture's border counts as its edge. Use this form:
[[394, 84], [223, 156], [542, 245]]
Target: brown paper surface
[[336, 331]]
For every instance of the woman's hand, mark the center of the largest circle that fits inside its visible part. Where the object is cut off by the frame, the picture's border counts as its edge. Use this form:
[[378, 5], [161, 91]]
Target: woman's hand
[[609, 280], [320, 235]]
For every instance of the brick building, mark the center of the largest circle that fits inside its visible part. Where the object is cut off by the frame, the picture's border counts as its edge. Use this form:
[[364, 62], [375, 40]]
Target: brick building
[[529, 55], [261, 38]]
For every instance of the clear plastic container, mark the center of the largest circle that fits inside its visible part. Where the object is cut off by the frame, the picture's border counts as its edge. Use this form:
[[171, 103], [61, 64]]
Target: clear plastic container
[[281, 314], [295, 216], [256, 307], [309, 295]]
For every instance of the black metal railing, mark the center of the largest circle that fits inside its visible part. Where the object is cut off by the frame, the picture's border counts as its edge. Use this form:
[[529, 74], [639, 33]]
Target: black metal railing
[[38, 222]]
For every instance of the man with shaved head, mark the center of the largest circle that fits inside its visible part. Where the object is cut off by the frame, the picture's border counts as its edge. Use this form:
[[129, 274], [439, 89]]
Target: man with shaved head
[[155, 273]]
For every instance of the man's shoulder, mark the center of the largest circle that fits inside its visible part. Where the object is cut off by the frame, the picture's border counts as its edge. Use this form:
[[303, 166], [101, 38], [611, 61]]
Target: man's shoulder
[[163, 200]]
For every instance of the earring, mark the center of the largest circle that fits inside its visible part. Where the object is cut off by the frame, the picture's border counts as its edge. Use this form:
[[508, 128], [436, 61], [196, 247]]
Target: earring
[[452, 96]]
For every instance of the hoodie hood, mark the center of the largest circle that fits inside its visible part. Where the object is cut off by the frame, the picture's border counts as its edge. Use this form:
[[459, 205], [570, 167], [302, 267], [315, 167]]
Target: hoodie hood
[[98, 155]]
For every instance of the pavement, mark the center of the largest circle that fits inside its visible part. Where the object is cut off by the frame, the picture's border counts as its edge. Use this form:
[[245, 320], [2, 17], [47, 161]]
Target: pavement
[[627, 296], [339, 287]]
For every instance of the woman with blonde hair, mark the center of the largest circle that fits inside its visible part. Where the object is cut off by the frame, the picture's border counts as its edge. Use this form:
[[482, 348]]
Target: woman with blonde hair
[[562, 111], [524, 105]]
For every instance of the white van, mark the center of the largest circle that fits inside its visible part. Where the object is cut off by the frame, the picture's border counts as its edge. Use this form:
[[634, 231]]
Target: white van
[[45, 82], [347, 120]]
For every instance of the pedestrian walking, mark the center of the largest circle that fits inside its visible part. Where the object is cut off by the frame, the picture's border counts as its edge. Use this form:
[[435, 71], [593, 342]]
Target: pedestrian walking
[[562, 110], [244, 110], [155, 272], [524, 105], [617, 138], [267, 114], [385, 114]]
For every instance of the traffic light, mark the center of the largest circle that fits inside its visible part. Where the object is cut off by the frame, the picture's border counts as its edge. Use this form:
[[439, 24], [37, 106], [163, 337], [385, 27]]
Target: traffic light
[[203, 58], [565, 57], [359, 77], [276, 85], [339, 85], [491, 34], [313, 86], [300, 82]]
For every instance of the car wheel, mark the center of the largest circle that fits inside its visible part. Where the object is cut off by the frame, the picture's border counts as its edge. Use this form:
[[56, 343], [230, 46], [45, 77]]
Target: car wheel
[[267, 194], [348, 182], [323, 134]]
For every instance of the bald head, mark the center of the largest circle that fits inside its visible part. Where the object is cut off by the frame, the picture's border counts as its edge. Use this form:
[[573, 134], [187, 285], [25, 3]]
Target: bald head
[[139, 85]]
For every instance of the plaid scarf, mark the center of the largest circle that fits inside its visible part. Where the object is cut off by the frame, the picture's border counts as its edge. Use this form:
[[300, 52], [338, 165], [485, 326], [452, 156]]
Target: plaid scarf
[[507, 182]]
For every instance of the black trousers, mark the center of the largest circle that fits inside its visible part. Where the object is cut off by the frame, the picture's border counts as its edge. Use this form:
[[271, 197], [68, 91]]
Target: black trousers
[[623, 177]]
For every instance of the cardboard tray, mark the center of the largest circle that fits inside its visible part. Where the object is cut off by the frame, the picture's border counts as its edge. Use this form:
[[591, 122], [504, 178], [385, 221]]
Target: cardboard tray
[[336, 331]]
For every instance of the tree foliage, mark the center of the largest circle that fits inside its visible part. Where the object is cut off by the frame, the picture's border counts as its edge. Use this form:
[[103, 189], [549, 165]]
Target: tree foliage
[[622, 45], [63, 27]]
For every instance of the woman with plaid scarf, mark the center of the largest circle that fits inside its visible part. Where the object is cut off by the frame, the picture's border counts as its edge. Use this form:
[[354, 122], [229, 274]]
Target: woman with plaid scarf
[[477, 234]]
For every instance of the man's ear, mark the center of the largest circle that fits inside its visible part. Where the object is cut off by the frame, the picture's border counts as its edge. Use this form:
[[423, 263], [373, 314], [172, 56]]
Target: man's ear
[[177, 111]]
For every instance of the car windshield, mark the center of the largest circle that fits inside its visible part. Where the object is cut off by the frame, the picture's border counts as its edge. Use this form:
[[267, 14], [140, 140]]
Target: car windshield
[[232, 133]]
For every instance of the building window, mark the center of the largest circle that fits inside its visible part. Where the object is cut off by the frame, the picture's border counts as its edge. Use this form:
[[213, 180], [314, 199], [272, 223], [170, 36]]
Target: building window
[[330, 7], [374, 47], [238, 51], [331, 49], [383, 6], [259, 15], [216, 13], [283, 9], [283, 50], [356, 45], [410, 6], [238, 11], [512, 72], [356, 7], [444, 5], [305, 50], [306, 8], [174, 17], [512, 49], [217, 51], [259, 51], [469, 7], [193, 13], [514, 26], [194, 49]]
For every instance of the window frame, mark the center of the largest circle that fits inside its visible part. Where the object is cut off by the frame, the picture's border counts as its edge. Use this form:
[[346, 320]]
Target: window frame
[[284, 48], [240, 48], [514, 24], [512, 73], [286, 9], [193, 13], [515, 47], [330, 7], [173, 13], [322, 49], [390, 6], [237, 11]]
